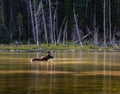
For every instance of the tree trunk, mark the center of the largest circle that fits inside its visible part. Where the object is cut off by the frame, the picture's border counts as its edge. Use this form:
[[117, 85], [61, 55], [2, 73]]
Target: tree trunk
[[50, 23], [11, 24], [95, 28], [110, 32], [54, 25], [77, 28], [20, 31], [64, 33], [36, 25], [104, 22], [32, 19], [60, 31], [44, 22]]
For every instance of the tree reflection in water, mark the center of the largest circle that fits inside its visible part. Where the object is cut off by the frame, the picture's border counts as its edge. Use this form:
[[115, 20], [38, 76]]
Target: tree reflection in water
[[67, 73]]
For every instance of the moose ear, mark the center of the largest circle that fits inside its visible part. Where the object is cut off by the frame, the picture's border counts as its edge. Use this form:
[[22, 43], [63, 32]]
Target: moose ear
[[48, 52]]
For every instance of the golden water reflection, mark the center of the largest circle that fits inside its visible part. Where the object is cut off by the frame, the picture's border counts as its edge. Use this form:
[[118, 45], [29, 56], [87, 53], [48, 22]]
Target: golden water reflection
[[67, 73]]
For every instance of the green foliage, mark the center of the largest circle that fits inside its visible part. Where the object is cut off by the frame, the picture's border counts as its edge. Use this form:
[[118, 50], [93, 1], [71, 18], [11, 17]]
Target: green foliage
[[88, 12], [19, 19], [4, 35], [1, 13], [67, 47]]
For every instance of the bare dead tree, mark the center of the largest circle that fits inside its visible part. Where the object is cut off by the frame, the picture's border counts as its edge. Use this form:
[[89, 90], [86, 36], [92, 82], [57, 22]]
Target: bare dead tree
[[32, 19], [50, 23], [36, 23], [77, 28], [54, 25], [65, 33], [44, 23], [104, 22], [60, 30], [85, 36], [95, 32], [110, 32]]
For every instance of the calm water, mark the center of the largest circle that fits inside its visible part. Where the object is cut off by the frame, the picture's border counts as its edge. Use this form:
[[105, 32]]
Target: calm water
[[67, 73]]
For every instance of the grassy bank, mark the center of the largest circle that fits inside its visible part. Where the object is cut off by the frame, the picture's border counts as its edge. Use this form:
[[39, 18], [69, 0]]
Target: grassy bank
[[56, 47]]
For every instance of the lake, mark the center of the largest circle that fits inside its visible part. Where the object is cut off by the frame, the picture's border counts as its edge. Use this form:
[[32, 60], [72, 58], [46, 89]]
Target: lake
[[68, 73]]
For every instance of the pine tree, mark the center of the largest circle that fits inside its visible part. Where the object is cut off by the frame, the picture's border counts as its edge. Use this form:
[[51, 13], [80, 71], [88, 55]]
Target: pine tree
[[1, 13]]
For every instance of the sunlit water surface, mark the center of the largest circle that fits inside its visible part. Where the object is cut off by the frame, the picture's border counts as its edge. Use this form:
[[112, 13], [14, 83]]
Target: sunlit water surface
[[67, 73]]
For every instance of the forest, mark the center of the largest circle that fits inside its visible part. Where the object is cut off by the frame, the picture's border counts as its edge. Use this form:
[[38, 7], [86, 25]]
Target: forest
[[80, 22]]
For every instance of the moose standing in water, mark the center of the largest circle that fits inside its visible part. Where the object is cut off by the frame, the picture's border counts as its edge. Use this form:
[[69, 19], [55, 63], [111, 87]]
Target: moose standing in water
[[44, 58]]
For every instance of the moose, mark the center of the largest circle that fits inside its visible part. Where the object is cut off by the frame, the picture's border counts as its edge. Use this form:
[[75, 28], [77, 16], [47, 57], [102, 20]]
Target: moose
[[44, 58]]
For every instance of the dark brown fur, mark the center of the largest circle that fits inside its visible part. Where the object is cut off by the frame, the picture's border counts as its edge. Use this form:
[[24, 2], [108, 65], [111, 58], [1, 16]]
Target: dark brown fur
[[43, 58]]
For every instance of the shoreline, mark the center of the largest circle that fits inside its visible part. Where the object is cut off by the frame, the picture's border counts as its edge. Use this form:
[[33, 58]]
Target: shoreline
[[61, 47], [27, 51]]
